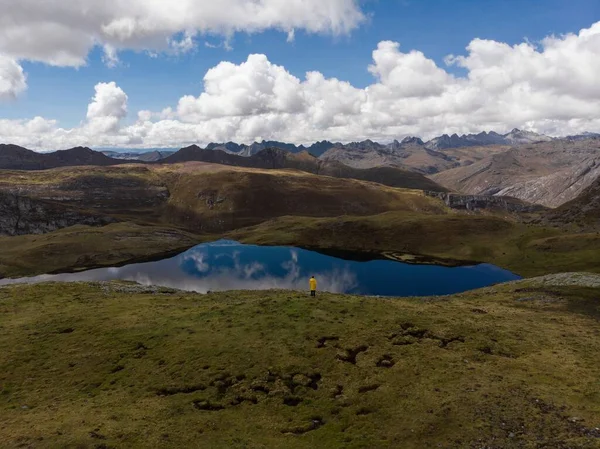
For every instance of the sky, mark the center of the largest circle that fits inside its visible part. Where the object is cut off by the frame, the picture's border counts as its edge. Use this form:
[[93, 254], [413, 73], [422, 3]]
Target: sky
[[152, 73]]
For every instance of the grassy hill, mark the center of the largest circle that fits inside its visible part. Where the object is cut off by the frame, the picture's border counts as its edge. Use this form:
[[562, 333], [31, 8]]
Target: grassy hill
[[275, 158], [447, 239], [83, 247], [195, 202], [13, 157], [119, 365], [205, 197]]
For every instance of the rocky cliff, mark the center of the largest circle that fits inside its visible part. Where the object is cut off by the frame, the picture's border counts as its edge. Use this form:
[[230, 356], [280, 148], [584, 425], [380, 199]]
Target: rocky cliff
[[583, 211], [547, 173], [21, 215], [475, 203]]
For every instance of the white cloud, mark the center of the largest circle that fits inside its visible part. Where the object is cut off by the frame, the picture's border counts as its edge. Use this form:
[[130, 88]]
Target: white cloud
[[253, 87], [107, 108], [12, 78], [110, 57], [185, 44], [549, 88], [407, 74], [62, 32]]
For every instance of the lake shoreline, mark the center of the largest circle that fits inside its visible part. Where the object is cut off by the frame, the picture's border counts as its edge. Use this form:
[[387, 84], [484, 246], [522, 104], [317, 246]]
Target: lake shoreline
[[225, 265]]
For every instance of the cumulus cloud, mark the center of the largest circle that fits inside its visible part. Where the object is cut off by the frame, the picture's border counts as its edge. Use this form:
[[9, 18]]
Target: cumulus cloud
[[107, 108], [62, 33], [12, 78], [549, 87], [251, 88]]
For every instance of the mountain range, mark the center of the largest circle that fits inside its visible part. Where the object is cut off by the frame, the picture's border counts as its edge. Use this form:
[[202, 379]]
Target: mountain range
[[547, 173], [515, 137], [148, 156], [275, 158], [520, 164], [13, 157]]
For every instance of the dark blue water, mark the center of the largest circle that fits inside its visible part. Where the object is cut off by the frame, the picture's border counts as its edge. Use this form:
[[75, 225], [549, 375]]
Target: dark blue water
[[227, 265]]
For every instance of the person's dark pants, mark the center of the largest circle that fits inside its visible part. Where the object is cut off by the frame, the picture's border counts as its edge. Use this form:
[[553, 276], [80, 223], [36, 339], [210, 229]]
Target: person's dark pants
[[313, 293]]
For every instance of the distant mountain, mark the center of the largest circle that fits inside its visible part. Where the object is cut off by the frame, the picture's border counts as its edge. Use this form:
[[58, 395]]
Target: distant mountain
[[548, 173], [13, 157], [275, 158], [249, 150], [410, 154], [229, 147], [519, 137], [583, 136], [148, 156], [515, 137], [434, 156]]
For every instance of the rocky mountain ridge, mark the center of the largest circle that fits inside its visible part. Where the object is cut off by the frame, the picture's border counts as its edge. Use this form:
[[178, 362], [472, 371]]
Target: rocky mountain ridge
[[13, 157], [546, 173], [274, 158], [445, 141], [583, 211], [148, 156]]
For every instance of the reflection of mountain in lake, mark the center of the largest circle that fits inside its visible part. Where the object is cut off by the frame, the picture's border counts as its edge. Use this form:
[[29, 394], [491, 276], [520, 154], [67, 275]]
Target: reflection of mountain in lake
[[226, 265]]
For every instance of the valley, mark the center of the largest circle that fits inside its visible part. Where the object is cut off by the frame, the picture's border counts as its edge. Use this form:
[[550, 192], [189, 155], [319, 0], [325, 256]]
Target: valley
[[301, 224], [280, 198], [512, 365]]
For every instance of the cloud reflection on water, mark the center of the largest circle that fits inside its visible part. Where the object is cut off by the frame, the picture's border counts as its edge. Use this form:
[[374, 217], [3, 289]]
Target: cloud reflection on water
[[210, 273], [227, 265]]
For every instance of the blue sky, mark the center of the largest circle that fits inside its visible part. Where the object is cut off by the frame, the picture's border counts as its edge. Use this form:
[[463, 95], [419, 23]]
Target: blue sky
[[435, 27], [65, 72]]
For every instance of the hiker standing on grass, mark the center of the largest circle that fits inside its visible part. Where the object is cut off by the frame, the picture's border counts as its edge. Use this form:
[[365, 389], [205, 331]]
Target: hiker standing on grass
[[313, 286]]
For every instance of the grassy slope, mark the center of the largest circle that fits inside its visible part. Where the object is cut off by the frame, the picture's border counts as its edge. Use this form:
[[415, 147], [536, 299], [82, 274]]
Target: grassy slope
[[231, 199], [526, 250], [451, 238], [210, 200], [81, 247], [117, 366]]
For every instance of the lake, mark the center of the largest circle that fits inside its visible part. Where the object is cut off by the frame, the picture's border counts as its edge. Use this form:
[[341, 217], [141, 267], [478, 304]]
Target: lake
[[228, 265]]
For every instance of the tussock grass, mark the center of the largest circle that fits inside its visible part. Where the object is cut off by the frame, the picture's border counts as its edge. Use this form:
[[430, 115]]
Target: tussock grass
[[118, 365]]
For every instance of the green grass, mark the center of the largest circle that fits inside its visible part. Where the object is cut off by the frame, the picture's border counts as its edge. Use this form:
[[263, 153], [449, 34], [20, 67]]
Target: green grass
[[83, 247], [115, 365], [443, 239], [450, 239], [205, 202]]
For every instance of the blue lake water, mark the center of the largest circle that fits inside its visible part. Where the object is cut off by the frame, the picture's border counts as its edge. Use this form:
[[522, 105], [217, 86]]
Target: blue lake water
[[228, 265]]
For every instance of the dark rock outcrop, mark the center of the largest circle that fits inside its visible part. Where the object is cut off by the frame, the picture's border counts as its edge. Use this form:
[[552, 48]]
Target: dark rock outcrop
[[21, 215], [478, 202]]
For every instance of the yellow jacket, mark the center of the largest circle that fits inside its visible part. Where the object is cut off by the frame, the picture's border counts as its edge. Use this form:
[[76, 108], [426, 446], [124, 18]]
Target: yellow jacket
[[313, 284]]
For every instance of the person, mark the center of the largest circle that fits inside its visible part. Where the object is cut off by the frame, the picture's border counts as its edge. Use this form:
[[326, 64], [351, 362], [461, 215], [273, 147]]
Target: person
[[313, 286]]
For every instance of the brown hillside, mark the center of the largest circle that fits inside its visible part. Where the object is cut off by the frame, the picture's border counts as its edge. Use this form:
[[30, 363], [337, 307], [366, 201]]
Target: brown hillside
[[229, 199], [274, 158], [547, 173], [13, 157], [204, 197], [583, 211]]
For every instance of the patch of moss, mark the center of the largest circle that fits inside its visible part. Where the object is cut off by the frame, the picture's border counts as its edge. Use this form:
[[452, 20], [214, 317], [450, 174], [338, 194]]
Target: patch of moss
[[499, 367]]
